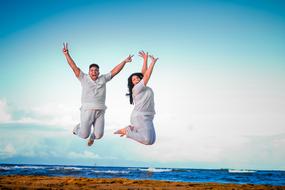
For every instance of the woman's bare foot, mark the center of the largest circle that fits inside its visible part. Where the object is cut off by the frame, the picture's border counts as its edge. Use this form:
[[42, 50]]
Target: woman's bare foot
[[121, 132]]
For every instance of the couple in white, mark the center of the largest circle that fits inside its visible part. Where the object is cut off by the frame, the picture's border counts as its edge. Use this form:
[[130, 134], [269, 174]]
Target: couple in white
[[93, 98]]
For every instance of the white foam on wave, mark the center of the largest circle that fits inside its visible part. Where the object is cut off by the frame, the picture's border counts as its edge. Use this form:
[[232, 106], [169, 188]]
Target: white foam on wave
[[4, 168], [29, 167], [241, 171], [111, 171], [66, 168], [72, 168], [132, 169], [155, 170]]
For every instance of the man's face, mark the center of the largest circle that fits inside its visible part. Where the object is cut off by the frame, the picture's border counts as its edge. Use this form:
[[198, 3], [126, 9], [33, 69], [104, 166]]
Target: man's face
[[94, 73]]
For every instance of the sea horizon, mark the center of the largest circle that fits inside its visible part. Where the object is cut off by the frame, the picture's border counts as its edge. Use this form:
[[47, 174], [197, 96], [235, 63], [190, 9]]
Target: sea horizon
[[144, 166]]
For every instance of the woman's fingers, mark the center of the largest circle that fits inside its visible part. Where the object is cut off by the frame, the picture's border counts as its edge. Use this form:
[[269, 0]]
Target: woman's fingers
[[143, 54], [152, 58]]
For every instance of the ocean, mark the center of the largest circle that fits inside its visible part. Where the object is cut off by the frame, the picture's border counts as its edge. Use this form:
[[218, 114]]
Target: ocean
[[265, 177]]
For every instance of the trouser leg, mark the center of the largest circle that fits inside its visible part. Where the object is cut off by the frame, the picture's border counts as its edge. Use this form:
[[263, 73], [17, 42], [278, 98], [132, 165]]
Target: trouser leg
[[86, 120], [98, 125], [142, 129]]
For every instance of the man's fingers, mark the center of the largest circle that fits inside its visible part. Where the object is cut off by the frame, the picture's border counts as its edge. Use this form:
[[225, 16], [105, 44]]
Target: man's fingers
[[130, 58], [65, 45]]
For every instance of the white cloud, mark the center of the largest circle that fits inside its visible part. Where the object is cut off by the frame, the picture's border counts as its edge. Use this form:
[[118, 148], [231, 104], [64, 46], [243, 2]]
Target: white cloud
[[65, 121], [50, 114], [210, 120], [83, 155], [258, 152], [7, 151], [4, 115], [56, 114], [54, 109], [88, 155]]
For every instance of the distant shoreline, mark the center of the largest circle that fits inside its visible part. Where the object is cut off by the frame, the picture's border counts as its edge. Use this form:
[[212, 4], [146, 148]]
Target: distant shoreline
[[42, 182]]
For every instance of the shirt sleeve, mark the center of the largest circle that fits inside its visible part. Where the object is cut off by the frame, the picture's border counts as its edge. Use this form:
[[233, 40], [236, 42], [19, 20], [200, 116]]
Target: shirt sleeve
[[108, 77], [81, 76], [138, 87]]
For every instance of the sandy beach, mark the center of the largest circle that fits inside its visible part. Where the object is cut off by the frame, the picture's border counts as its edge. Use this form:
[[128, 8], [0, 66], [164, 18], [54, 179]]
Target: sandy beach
[[44, 182]]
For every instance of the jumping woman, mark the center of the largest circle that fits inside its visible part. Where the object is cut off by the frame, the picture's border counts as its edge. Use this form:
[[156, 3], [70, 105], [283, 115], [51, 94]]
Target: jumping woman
[[141, 128]]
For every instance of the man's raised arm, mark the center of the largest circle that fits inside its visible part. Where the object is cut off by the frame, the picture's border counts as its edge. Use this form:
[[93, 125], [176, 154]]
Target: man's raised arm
[[120, 66], [70, 61]]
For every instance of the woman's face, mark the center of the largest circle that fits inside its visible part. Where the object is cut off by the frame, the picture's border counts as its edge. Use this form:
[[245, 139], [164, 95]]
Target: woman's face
[[135, 79]]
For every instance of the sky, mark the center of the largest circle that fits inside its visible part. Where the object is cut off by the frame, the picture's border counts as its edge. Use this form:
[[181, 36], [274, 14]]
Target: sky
[[218, 84]]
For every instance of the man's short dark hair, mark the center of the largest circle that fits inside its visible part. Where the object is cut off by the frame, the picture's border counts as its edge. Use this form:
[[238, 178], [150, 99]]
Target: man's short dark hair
[[94, 65]]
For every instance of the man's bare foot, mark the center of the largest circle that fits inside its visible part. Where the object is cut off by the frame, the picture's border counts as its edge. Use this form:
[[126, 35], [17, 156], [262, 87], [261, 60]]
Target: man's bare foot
[[90, 142]]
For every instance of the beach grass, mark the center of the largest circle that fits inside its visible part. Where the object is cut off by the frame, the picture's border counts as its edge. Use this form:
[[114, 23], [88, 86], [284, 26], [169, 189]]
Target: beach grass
[[70, 183]]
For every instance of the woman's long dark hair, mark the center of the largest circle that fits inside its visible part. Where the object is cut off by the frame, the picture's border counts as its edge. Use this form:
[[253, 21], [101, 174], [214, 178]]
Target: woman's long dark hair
[[131, 85]]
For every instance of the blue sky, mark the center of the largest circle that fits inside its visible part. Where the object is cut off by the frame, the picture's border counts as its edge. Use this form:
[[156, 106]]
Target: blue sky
[[219, 83]]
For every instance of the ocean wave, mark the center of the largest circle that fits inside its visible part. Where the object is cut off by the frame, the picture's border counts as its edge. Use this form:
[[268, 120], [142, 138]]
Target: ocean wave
[[111, 171], [132, 169], [67, 168], [71, 168], [28, 167], [155, 170], [180, 170], [241, 171], [4, 168]]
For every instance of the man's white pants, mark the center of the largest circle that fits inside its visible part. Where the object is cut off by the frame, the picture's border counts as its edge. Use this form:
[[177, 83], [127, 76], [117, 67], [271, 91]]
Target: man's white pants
[[88, 118]]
